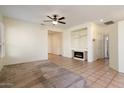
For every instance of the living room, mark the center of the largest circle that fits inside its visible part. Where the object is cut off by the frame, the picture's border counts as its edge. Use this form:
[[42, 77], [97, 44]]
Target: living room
[[50, 40]]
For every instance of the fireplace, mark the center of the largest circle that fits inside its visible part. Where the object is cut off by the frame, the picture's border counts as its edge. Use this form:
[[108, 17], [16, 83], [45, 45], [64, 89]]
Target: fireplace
[[78, 54]]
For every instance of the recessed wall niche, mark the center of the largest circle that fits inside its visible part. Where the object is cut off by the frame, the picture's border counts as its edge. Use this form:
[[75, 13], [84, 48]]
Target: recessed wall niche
[[79, 40]]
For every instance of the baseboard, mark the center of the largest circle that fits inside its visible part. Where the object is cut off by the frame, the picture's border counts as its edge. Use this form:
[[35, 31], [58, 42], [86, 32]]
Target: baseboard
[[26, 62]]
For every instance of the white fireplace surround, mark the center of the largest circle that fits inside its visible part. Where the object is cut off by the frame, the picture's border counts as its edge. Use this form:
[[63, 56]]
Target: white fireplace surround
[[84, 55]]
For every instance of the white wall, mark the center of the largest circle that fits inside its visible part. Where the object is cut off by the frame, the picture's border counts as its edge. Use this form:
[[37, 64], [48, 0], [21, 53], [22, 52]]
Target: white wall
[[55, 43], [67, 44], [49, 43], [2, 42], [121, 46], [90, 43], [112, 31], [98, 51], [25, 41], [1, 17]]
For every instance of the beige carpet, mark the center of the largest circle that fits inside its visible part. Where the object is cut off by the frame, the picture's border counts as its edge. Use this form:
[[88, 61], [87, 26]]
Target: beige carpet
[[58, 77], [40, 74]]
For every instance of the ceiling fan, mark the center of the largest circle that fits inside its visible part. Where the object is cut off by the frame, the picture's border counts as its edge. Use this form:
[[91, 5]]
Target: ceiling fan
[[55, 19]]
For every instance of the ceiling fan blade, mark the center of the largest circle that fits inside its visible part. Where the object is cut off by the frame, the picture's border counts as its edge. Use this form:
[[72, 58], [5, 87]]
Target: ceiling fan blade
[[47, 21], [61, 18], [42, 24], [61, 22], [50, 17]]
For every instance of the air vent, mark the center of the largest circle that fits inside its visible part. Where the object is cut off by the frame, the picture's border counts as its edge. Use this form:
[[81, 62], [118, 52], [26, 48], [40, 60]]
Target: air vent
[[109, 22]]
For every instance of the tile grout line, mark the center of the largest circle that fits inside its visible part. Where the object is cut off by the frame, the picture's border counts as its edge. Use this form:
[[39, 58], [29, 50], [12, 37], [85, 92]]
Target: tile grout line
[[111, 80]]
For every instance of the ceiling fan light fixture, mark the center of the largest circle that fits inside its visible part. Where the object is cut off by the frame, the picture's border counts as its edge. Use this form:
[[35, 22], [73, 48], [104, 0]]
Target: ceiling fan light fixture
[[101, 20], [55, 22]]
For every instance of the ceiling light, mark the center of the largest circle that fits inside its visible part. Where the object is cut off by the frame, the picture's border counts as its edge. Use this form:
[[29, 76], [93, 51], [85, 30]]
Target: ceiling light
[[55, 22], [101, 20]]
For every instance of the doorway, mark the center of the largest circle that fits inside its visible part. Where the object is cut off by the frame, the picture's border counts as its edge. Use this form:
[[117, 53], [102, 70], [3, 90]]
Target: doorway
[[106, 46], [54, 42]]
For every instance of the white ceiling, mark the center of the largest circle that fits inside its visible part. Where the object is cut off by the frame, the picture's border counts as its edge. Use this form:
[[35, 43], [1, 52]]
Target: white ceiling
[[75, 14]]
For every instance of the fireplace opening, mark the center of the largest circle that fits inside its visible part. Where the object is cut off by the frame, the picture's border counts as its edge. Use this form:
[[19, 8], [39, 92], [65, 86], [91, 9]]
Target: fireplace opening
[[78, 54]]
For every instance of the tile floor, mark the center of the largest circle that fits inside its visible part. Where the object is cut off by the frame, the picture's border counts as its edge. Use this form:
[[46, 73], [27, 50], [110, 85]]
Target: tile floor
[[98, 74]]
